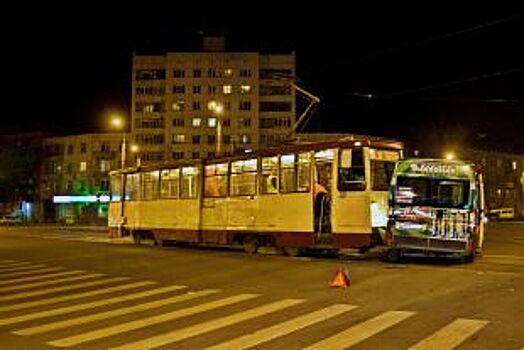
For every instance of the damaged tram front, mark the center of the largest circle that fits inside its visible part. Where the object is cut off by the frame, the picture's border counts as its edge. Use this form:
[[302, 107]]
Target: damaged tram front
[[436, 208]]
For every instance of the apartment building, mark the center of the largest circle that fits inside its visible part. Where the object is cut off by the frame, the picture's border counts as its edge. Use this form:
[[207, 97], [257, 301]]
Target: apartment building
[[191, 105], [74, 181]]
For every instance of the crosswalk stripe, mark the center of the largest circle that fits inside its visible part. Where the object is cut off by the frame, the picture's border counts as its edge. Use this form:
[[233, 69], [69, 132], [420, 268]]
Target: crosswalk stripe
[[361, 331], [62, 289], [113, 313], [40, 277], [281, 329], [90, 305], [70, 297], [148, 321], [450, 336], [19, 268], [191, 331], [32, 272], [46, 283]]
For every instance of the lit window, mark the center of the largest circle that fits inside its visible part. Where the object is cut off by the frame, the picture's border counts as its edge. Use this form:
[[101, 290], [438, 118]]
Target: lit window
[[149, 108], [245, 89], [514, 165], [105, 165], [179, 106], [245, 139], [179, 138], [196, 122], [228, 72], [212, 122], [83, 166], [227, 89]]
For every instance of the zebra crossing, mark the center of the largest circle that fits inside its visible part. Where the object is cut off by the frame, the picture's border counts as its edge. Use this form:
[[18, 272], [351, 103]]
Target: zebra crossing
[[52, 305]]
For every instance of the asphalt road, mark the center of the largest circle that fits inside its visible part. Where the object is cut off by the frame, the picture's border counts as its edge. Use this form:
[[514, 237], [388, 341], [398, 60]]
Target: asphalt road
[[80, 289]]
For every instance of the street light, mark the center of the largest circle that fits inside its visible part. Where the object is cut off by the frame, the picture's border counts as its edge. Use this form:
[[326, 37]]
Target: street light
[[118, 122], [217, 109], [135, 149]]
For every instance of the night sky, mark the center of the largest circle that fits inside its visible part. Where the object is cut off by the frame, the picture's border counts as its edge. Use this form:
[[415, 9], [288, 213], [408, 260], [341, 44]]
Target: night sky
[[431, 74]]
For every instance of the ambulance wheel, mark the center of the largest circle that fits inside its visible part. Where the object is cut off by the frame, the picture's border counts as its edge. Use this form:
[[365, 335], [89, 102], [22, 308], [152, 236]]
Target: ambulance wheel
[[392, 255]]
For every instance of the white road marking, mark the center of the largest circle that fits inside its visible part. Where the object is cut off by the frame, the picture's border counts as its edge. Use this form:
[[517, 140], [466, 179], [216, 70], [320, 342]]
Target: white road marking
[[361, 331], [283, 328], [191, 331], [450, 336]]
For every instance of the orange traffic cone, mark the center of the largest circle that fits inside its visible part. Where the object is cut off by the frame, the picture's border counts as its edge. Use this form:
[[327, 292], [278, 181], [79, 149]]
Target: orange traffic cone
[[341, 279]]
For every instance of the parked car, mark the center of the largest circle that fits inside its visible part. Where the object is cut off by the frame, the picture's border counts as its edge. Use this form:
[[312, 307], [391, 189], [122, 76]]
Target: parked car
[[10, 220]]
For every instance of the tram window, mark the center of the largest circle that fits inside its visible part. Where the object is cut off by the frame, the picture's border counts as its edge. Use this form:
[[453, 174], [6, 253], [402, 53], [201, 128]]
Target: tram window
[[215, 182], [149, 182], [351, 171], [132, 187], [381, 172], [169, 183], [288, 173], [304, 165], [269, 175], [243, 177], [189, 185], [116, 187]]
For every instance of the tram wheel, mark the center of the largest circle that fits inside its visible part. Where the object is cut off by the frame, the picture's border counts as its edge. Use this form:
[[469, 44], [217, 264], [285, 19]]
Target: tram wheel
[[291, 251], [137, 237], [250, 244]]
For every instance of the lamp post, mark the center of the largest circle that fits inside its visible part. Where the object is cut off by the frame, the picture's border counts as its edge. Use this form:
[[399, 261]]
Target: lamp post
[[135, 149], [217, 109], [118, 123]]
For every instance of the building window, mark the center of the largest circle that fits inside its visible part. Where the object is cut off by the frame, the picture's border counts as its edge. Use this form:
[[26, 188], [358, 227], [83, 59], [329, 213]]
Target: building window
[[245, 106], [196, 139], [83, 166], [245, 89], [245, 72], [104, 147], [148, 107], [178, 73], [227, 89], [150, 74], [244, 122], [179, 89], [226, 123], [212, 89], [210, 155], [105, 165], [246, 139], [69, 149], [197, 73], [143, 123], [196, 155], [211, 73], [212, 122], [196, 106], [83, 147], [179, 106], [177, 155], [150, 139], [211, 139], [228, 72], [178, 122], [197, 89], [179, 138], [196, 122], [275, 106]]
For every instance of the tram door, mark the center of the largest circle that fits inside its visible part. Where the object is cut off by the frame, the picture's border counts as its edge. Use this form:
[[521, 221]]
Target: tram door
[[322, 194]]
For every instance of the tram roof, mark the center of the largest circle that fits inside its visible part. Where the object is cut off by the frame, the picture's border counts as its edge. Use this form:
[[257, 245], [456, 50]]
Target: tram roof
[[350, 141]]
